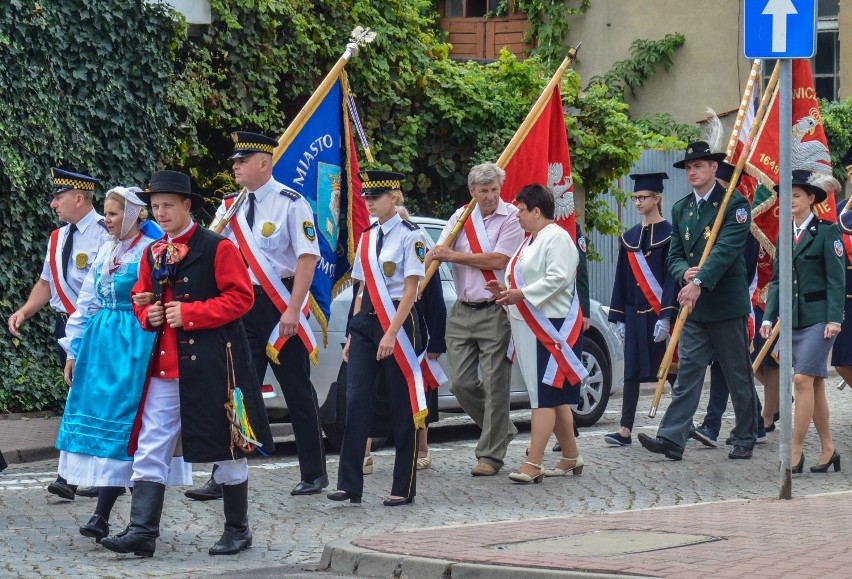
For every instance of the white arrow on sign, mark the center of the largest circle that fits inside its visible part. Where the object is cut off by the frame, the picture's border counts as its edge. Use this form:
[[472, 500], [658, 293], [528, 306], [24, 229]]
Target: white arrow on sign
[[779, 10]]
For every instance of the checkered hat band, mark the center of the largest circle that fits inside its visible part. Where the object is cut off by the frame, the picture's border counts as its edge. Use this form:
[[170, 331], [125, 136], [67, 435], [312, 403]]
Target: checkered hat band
[[258, 146], [74, 183], [381, 185]]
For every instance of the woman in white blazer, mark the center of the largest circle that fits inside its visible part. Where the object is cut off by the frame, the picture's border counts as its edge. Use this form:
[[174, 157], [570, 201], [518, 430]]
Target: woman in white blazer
[[545, 320]]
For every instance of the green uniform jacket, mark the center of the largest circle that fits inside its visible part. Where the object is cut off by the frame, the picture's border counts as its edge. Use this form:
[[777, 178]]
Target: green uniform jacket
[[724, 292], [819, 278], [583, 274]]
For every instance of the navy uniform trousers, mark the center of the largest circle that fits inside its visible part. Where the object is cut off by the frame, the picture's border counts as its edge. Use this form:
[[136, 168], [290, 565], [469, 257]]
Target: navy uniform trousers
[[294, 375], [366, 332]]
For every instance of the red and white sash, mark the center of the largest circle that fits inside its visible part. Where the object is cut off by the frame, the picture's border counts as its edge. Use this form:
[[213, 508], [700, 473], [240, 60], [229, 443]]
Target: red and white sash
[[273, 286], [847, 245], [477, 237], [433, 374], [67, 296], [648, 283], [403, 350], [563, 363]]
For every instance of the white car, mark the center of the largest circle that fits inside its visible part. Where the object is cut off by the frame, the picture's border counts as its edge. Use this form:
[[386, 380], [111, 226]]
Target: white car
[[603, 357]]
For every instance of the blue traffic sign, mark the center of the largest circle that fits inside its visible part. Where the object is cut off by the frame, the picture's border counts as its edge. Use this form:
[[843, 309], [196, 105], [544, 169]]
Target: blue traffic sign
[[779, 28]]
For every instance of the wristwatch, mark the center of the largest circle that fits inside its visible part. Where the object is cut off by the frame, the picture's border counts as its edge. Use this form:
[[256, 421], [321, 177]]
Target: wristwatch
[[696, 281]]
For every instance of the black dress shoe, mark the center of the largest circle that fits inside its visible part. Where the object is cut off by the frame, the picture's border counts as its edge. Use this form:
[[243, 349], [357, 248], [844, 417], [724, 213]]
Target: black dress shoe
[[797, 469], [97, 528], [88, 492], [62, 489], [313, 487], [740, 452], [398, 502], [834, 460], [343, 496], [659, 445], [209, 491]]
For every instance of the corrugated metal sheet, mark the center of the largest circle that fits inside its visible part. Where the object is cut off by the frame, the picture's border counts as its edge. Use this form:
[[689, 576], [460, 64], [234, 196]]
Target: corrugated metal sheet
[[602, 273]]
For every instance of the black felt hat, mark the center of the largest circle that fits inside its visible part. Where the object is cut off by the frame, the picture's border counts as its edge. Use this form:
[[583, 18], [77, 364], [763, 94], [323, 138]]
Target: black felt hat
[[698, 150], [804, 179], [67, 181], [648, 181], [376, 183], [171, 182], [725, 172], [247, 144]]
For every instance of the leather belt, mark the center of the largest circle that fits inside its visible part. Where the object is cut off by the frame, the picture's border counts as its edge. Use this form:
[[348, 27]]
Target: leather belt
[[287, 281], [478, 305]]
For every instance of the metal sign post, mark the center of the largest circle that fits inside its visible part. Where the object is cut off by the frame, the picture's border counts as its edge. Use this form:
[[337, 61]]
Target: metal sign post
[[784, 255]]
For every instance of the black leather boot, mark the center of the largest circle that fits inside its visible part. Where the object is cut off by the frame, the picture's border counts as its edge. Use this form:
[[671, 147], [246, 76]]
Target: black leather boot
[[97, 528], [237, 535], [146, 508], [209, 491]]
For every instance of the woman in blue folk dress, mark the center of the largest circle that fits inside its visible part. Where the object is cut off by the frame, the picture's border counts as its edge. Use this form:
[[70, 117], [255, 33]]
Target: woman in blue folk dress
[[108, 355]]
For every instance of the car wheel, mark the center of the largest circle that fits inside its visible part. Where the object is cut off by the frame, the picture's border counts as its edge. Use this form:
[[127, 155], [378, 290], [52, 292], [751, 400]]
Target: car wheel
[[594, 391], [334, 428]]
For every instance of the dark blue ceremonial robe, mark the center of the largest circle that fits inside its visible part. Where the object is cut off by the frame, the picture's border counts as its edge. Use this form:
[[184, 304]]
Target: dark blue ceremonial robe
[[642, 356]]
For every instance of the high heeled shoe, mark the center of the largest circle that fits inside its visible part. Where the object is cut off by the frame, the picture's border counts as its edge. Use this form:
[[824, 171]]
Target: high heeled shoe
[[798, 468], [521, 477], [834, 460], [344, 496], [368, 465], [576, 469], [398, 501]]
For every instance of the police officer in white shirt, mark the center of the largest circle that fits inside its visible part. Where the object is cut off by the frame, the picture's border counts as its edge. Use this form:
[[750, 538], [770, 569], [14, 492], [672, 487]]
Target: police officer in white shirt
[[282, 225], [71, 250]]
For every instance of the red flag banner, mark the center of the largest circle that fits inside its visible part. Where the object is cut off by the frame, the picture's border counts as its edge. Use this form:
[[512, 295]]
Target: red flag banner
[[543, 157], [809, 151]]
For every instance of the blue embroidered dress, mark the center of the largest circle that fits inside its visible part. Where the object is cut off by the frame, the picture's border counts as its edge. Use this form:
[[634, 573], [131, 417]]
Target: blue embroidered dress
[[112, 353]]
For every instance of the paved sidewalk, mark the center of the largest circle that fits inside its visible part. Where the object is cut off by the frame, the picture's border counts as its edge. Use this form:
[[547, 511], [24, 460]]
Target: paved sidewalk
[[803, 537]]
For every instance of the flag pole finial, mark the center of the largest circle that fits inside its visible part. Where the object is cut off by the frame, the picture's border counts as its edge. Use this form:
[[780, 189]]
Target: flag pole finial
[[359, 37]]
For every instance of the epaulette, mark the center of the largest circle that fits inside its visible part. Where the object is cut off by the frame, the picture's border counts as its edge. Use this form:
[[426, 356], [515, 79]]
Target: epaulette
[[372, 225], [813, 226], [287, 192], [229, 195], [103, 224], [410, 225]]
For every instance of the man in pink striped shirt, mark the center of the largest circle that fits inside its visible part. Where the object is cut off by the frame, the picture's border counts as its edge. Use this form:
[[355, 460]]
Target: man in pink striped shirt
[[478, 332]]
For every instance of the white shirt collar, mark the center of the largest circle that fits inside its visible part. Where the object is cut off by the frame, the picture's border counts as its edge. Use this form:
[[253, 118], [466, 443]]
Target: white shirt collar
[[265, 189], [390, 223], [89, 218], [804, 224], [706, 196], [188, 227]]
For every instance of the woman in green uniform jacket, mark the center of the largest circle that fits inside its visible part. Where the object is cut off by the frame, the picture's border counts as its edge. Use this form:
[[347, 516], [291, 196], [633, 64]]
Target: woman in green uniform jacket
[[819, 292]]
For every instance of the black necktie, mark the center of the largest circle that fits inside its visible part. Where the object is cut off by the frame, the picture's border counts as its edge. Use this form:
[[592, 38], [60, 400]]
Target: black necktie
[[701, 204], [380, 241], [66, 249], [250, 212]]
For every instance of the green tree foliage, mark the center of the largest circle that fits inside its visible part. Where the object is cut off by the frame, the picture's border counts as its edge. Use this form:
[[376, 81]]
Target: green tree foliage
[[836, 120], [80, 87]]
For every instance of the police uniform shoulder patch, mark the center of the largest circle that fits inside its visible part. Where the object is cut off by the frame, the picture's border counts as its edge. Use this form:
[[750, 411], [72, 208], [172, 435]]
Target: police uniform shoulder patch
[[287, 192], [581, 243], [102, 223], [742, 215], [309, 231], [420, 250], [838, 247], [410, 225]]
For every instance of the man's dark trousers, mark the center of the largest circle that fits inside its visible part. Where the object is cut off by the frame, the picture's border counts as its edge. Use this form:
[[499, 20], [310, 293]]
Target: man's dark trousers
[[699, 340], [293, 374]]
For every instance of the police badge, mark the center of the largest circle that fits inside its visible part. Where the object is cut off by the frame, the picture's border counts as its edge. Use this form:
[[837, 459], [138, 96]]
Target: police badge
[[308, 229], [420, 250], [581, 243], [267, 228], [742, 215], [838, 248], [80, 260], [389, 268]]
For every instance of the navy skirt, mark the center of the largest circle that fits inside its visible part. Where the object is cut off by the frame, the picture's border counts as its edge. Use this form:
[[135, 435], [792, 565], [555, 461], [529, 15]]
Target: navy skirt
[[550, 396]]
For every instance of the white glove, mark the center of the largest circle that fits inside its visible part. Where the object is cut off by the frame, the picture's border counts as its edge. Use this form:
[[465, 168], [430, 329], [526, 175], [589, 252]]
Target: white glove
[[661, 329], [619, 330]]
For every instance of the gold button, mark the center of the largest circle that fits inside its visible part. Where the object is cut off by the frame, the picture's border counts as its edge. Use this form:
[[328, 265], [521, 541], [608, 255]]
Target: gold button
[[162, 372]]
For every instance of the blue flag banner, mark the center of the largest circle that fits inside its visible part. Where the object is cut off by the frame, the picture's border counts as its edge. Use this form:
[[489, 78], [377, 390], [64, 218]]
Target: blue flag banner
[[320, 164]]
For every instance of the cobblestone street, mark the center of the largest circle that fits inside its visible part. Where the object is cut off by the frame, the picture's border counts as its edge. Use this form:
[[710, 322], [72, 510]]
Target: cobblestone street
[[38, 534]]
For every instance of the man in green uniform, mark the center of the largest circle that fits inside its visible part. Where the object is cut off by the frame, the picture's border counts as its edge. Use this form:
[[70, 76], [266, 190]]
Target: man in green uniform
[[717, 296]]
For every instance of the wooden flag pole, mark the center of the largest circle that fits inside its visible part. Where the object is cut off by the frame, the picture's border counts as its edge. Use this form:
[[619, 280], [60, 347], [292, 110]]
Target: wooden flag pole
[[759, 119], [510, 150], [767, 345]]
